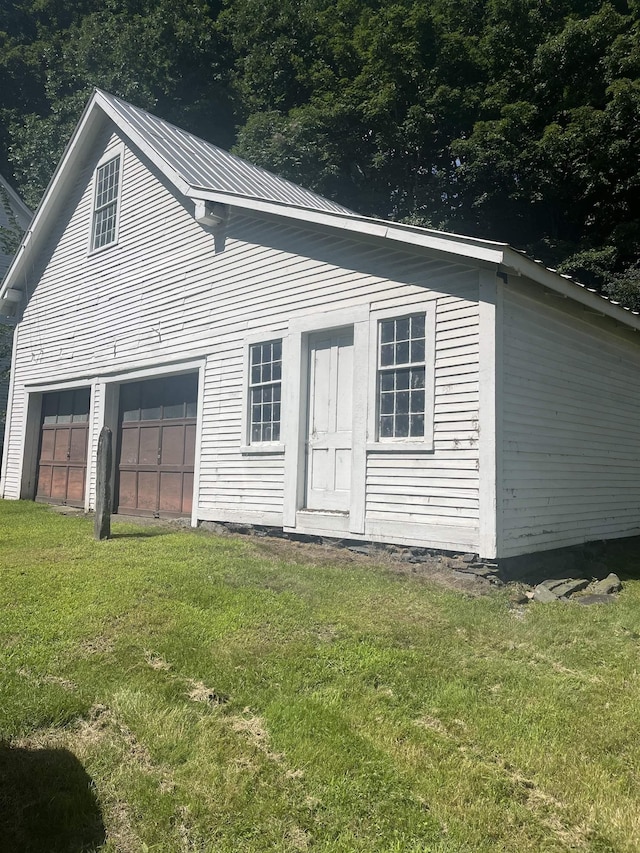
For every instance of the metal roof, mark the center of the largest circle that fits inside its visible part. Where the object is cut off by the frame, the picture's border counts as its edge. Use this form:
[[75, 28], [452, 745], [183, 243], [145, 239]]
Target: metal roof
[[205, 166]]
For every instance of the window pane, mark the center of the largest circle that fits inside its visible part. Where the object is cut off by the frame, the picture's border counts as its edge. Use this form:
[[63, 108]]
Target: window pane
[[417, 377], [386, 404], [402, 380], [417, 425], [387, 381], [402, 426], [402, 402], [402, 329], [386, 426], [402, 352], [387, 328], [387, 355], [417, 350], [417, 401], [417, 326]]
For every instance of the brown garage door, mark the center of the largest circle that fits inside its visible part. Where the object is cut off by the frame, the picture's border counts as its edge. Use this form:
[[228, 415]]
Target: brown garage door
[[156, 449], [62, 461]]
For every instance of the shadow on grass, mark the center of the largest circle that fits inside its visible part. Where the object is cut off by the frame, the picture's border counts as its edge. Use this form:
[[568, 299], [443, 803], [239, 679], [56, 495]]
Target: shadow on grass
[[47, 803], [141, 534]]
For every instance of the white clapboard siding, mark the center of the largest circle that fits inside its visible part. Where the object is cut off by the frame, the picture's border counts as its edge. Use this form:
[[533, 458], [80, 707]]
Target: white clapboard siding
[[570, 449], [164, 295], [439, 488]]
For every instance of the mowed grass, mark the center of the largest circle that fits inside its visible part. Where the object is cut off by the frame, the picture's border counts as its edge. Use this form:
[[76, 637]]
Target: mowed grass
[[176, 691]]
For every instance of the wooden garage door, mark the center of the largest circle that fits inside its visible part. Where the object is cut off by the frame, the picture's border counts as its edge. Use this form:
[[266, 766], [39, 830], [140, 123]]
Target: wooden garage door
[[156, 450], [62, 461]]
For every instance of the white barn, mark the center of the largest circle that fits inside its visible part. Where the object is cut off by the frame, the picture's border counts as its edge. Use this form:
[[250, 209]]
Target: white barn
[[265, 356]]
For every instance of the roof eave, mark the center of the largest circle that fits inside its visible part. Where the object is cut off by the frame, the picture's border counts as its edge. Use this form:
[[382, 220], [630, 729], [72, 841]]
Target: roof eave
[[518, 264]]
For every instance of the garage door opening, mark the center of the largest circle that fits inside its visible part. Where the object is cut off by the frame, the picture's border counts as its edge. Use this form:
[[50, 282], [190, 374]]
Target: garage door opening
[[156, 446], [62, 456]]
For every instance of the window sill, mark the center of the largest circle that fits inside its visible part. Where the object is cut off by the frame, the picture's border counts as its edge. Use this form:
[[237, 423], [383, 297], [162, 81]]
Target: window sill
[[400, 446], [98, 251], [261, 449]]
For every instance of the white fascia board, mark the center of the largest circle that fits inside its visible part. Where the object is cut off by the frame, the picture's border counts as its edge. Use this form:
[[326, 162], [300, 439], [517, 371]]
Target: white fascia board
[[437, 241], [520, 265]]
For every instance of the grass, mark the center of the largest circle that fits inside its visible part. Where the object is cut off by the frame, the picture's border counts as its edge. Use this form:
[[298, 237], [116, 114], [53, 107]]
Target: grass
[[176, 691]]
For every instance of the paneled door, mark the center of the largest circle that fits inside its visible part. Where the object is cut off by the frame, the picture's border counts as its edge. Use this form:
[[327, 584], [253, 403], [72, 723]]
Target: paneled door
[[329, 420], [156, 446], [62, 460]]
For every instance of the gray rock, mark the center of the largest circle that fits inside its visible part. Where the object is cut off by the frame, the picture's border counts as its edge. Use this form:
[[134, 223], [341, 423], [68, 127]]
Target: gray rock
[[544, 595], [213, 527], [607, 586], [468, 558], [568, 587], [595, 599], [360, 549]]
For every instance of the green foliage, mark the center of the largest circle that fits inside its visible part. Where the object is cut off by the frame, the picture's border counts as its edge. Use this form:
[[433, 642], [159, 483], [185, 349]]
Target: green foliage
[[515, 120], [165, 56]]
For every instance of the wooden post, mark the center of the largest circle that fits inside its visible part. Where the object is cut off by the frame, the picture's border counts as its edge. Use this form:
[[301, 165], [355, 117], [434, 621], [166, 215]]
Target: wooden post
[[102, 523]]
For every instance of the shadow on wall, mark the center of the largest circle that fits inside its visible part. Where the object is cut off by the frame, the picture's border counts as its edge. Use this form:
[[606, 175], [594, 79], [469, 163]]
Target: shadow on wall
[[47, 803]]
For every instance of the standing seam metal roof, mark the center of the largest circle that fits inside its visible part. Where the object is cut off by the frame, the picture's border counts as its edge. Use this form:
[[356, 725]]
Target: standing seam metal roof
[[205, 166]]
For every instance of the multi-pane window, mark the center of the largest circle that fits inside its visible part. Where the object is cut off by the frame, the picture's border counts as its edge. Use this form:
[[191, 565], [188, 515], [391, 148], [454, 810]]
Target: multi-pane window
[[265, 385], [106, 203], [401, 377]]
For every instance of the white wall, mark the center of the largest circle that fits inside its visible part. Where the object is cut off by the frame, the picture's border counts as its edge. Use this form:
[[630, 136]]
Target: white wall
[[571, 404], [163, 295]]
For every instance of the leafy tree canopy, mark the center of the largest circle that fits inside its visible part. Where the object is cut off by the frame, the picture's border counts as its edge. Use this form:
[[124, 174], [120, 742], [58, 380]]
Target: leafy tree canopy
[[515, 120]]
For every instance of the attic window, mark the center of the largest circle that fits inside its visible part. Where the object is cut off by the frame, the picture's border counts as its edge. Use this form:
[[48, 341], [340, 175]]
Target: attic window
[[105, 212]]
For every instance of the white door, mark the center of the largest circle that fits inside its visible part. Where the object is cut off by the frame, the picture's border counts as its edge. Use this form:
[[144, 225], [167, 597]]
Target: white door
[[329, 420]]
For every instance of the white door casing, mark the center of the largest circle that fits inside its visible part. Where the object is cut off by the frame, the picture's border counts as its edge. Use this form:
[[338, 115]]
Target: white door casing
[[329, 421]]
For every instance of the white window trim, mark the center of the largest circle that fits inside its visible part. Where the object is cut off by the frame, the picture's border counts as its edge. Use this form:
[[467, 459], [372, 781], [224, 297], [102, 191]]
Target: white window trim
[[265, 447], [403, 445], [112, 154]]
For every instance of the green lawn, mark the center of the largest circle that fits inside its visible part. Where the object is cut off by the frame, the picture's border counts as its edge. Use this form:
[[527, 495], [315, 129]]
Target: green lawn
[[175, 691]]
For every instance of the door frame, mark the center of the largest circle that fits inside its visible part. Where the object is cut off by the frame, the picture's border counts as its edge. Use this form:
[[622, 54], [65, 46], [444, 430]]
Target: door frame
[[110, 401], [33, 395], [295, 407]]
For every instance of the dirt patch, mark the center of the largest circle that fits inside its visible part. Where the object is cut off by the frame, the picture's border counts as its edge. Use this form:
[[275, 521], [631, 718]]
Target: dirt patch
[[434, 569], [199, 692]]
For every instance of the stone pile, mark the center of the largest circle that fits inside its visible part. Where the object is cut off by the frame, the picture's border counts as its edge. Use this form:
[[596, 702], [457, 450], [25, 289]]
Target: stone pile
[[580, 590]]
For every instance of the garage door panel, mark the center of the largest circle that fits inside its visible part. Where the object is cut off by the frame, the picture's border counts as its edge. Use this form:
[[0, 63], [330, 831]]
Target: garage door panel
[[61, 445], [129, 446], [157, 445], [147, 490], [47, 445], [128, 490], [149, 438], [187, 493], [44, 481], [75, 484], [190, 441], [59, 483], [78, 444], [171, 491], [62, 460], [172, 447]]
